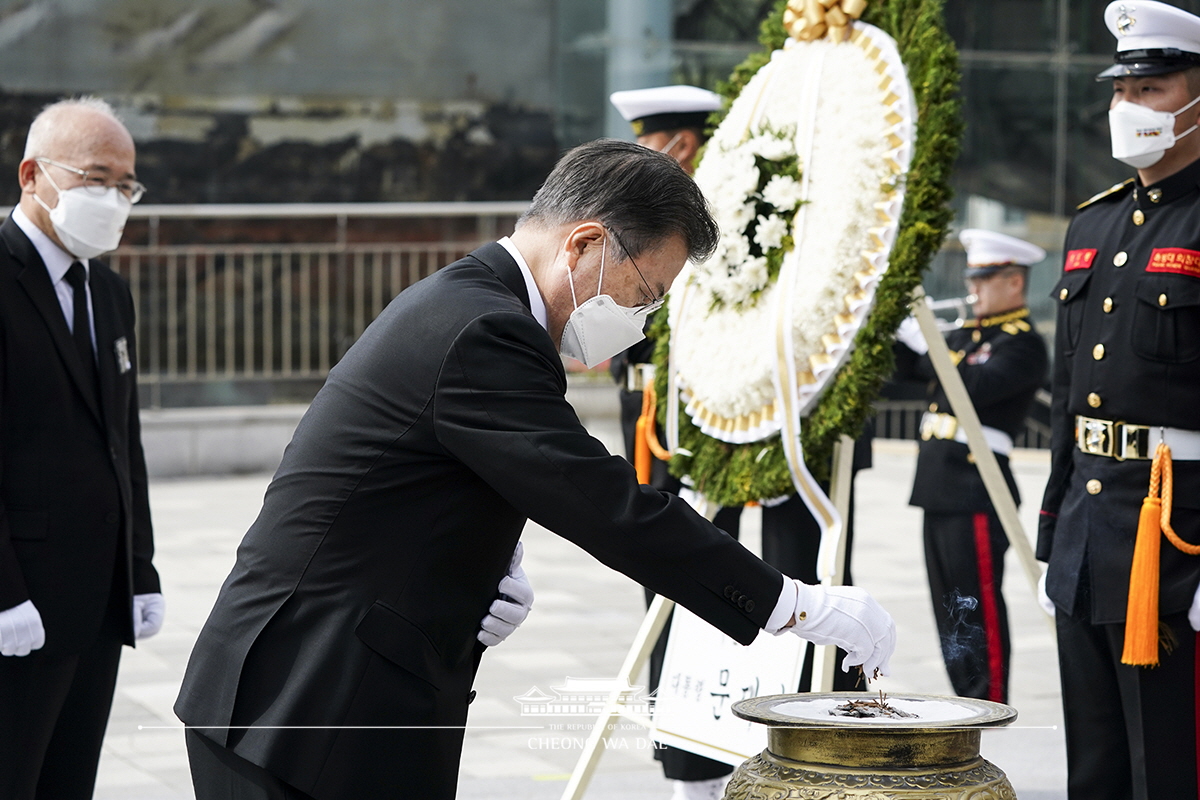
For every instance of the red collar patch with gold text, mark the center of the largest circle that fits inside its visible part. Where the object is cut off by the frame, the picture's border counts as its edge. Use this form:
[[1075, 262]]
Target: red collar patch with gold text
[[1175, 259], [1079, 259]]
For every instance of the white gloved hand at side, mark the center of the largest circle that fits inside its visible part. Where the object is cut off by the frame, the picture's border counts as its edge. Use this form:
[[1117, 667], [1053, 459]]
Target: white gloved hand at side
[[511, 608], [1048, 605], [148, 613], [1194, 611], [21, 630], [848, 617], [909, 334]]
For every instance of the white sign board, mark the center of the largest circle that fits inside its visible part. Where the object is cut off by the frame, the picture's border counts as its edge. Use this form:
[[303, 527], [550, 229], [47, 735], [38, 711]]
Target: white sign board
[[705, 672]]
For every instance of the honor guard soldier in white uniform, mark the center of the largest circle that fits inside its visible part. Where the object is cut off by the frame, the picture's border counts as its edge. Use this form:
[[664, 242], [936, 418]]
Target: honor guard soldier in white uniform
[[1002, 361], [1125, 470]]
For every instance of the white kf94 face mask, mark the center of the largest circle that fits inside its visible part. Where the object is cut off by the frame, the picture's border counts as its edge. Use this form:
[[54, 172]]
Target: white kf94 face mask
[[1140, 135], [87, 224], [600, 328]]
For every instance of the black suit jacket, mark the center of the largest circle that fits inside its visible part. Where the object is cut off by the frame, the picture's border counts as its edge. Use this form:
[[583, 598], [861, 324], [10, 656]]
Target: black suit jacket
[[358, 591], [74, 511]]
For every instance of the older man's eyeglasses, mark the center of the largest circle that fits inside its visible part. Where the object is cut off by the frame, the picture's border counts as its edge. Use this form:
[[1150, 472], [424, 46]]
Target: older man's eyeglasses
[[97, 184], [651, 303]]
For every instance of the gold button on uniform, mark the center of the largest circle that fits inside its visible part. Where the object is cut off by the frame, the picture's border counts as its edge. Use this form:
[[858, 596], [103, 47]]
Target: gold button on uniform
[[1155, 195], [1094, 486], [1162, 299], [1108, 305], [976, 335], [1138, 217], [1094, 400], [933, 408], [1120, 258], [1098, 352], [1062, 295], [803, 615]]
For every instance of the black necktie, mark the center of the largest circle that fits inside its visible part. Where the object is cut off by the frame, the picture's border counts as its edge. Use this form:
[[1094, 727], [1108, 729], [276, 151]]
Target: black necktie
[[82, 326]]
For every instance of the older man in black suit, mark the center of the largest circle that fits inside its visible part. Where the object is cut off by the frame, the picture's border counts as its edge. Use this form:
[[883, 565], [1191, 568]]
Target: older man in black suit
[[338, 660], [76, 579]]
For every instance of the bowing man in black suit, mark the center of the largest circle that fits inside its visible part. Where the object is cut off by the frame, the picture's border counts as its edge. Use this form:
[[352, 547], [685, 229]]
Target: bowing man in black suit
[[76, 579], [338, 659]]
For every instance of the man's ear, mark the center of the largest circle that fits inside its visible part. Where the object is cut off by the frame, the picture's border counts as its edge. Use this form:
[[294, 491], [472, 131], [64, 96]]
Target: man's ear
[[582, 236], [26, 172], [687, 147]]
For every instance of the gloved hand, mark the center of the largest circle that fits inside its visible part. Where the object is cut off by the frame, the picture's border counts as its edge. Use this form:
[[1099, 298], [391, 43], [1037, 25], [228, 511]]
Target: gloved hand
[[148, 612], [909, 334], [511, 608], [21, 630], [1194, 611], [1048, 605], [848, 617]]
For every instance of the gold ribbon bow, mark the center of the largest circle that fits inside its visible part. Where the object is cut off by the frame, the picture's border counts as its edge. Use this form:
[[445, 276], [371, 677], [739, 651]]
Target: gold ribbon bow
[[809, 20]]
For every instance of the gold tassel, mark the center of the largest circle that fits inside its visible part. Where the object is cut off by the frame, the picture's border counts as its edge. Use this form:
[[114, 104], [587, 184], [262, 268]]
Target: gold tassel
[[1141, 615], [1142, 628]]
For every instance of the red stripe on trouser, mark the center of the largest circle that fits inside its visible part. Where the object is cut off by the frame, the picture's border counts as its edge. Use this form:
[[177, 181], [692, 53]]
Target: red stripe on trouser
[[991, 612]]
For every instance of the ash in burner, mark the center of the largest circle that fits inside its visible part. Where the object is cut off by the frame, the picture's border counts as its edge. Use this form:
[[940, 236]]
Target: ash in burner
[[863, 709]]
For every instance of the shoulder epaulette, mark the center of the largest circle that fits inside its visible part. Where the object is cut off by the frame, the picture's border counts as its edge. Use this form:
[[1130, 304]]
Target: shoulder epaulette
[[1115, 189]]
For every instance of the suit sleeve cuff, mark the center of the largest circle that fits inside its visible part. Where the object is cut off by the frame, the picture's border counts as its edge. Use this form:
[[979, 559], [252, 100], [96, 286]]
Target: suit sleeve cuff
[[784, 609]]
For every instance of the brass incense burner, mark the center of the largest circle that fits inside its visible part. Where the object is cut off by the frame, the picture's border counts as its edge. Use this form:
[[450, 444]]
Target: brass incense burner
[[843, 745]]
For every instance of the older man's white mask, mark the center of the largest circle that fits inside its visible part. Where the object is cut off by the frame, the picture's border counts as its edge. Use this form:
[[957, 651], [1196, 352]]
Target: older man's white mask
[[600, 328]]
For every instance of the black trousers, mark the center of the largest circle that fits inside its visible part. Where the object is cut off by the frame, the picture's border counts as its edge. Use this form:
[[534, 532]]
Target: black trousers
[[220, 774], [1131, 731], [964, 557], [53, 713]]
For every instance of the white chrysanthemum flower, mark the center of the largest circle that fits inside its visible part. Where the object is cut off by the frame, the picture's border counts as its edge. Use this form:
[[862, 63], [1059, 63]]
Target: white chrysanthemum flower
[[770, 231], [754, 274], [740, 217], [771, 147], [737, 250], [783, 192]]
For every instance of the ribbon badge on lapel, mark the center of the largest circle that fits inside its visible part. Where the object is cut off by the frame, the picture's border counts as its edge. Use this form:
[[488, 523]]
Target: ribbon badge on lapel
[[121, 349]]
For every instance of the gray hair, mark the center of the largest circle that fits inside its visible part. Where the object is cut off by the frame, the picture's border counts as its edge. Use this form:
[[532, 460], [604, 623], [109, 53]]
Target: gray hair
[[42, 129], [641, 195]]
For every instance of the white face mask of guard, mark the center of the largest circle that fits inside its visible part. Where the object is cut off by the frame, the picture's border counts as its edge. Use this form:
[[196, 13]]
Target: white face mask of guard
[[600, 328], [87, 224], [1140, 135]]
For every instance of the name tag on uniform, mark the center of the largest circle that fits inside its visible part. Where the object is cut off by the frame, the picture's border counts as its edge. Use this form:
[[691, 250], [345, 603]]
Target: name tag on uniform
[[1079, 259], [1175, 259], [121, 349]]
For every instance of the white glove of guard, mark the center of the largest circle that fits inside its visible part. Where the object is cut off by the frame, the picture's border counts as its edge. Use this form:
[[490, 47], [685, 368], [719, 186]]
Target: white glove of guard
[[511, 608], [21, 630], [1048, 605], [909, 334], [1194, 611], [848, 617], [148, 612]]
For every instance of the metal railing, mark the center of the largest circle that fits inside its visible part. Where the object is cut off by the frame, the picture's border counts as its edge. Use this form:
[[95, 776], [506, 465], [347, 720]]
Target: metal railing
[[276, 311]]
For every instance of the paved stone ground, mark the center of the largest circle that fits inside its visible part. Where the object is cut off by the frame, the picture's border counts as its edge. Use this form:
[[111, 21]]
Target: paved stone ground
[[585, 617]]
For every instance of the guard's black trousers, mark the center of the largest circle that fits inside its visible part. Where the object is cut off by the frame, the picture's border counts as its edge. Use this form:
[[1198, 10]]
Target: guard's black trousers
[[1131, 731], [964, 556]]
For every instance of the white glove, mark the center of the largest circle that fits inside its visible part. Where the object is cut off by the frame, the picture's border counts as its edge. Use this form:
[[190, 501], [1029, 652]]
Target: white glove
[[1194, 611], [1048, 605], [148, 612], [511, 608], [848, 617], [21, 630], [909, 334]]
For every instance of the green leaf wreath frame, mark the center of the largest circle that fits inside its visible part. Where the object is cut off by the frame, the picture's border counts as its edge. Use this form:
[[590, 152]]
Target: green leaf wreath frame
[[735, 474]]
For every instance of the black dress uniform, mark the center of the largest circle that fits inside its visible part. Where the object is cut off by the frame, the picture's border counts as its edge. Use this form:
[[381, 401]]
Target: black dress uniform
[[1002, 361], [1127, 350]]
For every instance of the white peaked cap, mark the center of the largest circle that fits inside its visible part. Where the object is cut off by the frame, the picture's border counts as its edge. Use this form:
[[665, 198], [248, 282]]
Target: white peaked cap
[[638, 103], [987, 248], [1150, 25]]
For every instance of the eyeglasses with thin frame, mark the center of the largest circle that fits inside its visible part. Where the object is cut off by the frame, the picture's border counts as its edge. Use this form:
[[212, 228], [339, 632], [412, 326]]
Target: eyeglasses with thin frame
[[652, 304], [98, 184]]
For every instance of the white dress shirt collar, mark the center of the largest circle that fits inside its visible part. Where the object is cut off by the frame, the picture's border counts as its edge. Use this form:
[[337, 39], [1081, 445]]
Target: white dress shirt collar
[[537, 306], [57, 260]]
